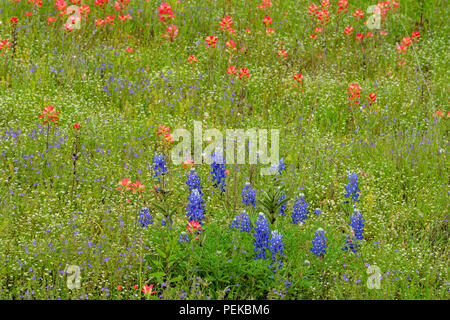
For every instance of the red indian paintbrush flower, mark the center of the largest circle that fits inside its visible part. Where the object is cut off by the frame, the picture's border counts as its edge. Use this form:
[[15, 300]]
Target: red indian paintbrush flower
[[13, 20], [164, 133], [118, 6], [359, 37], [5, 44], [100, 22], [372, 97], [148, 289], [68, 27], [406, 41], [188, 163], [110, 19], [312, 9], [325, 4], [438, 113], [193, 225], [354, 89], [172, 32], [169, 138], [50, 20], [61, 6], [232, 70], [226, 24], [267, 20], [76, 126], [298, 77], [283, 53], [323, 16], [49, 114], [415, 35], [231, 44], [244, 73], [343, 4], [358, 14], [165, 12], [401, 48], [211, 41], [124, 184], [192, 59], [348, 30], [137, 186], [85, 10], [265, 4], [124, 18], [162, 130]]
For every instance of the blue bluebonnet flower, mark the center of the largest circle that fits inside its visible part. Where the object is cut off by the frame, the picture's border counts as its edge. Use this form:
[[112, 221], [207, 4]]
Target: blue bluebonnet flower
[[262, 233], [352, 188], [195, 207], [281, 165], [351, 245], [242, 221], [357, 225], [184, 237], [144, 217], [218, 170], [249, 195], [276, 247], [193, 180], [317, 211], [319, 243], [283, 206], [299, 213], [278, 167], [164, 222], [159, 165]]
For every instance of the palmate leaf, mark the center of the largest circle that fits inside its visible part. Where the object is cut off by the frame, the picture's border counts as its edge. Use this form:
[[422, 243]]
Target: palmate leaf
[[271, 202]]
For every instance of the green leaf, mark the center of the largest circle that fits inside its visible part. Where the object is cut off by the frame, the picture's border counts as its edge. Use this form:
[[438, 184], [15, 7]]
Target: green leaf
[[176, 279], [161, 253], [157, 275]]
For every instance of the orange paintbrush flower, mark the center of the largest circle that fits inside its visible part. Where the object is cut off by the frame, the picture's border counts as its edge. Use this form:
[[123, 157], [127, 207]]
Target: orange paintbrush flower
[[124, 184], [49, 114]]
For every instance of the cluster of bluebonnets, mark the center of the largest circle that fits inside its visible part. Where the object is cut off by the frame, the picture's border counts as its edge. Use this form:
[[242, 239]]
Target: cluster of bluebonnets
[[160, 167], [266, 241], [218, 170], [145, 217], [357, 221]]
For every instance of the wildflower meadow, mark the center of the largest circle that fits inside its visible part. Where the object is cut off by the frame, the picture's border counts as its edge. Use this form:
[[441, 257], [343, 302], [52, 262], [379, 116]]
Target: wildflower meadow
[[224, 150]]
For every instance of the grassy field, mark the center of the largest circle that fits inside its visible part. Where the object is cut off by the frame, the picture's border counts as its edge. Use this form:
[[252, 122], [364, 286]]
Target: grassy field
[[358, 206]]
